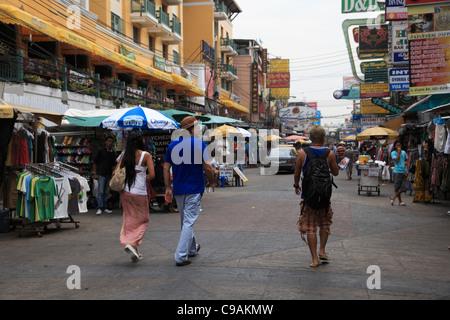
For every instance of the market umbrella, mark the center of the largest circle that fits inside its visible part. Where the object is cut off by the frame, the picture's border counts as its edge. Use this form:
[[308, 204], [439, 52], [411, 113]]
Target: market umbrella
[[350, 138], [377, 133], [245, 133], [179, 115], [139, 118], [224, 131], [296, 137], [272, 137]]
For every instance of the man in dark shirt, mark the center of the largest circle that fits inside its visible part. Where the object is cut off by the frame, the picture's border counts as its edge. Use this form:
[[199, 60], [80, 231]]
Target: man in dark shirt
[[104, 163]]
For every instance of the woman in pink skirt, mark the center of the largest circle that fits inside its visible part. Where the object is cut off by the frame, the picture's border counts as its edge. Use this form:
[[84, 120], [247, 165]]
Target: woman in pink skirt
[[134, 197]]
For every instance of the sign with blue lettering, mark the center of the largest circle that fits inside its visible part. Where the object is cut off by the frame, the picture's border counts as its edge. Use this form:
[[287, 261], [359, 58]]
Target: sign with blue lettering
[[398, 79]]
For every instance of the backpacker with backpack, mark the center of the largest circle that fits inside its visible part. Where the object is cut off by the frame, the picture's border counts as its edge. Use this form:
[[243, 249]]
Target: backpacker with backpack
[[317, 180]]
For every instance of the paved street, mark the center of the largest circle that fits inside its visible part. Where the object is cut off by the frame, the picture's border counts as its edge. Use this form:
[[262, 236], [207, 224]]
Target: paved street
[[251, 250]]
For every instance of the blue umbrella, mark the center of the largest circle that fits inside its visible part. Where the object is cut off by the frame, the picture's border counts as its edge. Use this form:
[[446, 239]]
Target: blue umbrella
[[139, 118]]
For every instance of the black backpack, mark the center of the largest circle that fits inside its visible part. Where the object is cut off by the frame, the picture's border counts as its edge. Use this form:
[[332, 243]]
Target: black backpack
[[317, 180]]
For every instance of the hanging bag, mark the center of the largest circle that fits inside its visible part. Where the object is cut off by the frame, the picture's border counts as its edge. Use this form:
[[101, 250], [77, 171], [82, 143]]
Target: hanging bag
[[117, 182]]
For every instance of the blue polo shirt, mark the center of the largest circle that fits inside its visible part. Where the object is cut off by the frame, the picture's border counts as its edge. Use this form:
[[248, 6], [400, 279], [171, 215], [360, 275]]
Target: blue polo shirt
[[400, 166], [186, 156]]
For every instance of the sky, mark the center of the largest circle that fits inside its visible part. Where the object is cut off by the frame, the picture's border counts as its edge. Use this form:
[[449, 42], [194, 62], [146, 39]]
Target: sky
[[310, 35]]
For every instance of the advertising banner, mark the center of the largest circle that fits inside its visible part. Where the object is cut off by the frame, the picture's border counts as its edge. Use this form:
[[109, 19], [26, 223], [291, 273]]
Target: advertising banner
[[254, 103], [294, 111], [396, 10], [429, 40], [367, 107], [399, 79], [373, 39]]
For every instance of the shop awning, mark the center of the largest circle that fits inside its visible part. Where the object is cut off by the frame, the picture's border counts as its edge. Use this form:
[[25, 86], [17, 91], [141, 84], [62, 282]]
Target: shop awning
[[429, 102], [6, 111], [14, 15], [235, 106], [86, 118], [189, 88], [394, 124], [220, 120], [75, 40]]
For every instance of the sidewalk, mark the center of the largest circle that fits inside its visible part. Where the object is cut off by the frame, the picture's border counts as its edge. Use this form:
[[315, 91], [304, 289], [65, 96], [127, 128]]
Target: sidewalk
[[251, 250]]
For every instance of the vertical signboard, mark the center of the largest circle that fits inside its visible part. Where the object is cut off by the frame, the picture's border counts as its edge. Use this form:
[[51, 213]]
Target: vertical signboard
[[254, 89], [264, 61], [400, 52]]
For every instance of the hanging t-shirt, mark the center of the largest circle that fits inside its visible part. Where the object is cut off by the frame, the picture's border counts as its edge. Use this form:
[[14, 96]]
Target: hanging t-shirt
[[63, 191], [44, 193], [82, 196], [73, 197]]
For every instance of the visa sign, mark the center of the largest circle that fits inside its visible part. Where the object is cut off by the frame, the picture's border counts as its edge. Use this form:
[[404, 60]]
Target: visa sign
[[355, 6]]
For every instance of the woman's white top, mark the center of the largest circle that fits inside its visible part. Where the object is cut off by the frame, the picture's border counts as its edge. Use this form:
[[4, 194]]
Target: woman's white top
[[140, 184]]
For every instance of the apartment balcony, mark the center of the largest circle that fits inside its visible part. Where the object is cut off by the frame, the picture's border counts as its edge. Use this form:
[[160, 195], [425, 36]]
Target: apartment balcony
[[162, 28], [228, 47], [228, 72], [175, 36], [143, 12], [220, 11], [174, 2]]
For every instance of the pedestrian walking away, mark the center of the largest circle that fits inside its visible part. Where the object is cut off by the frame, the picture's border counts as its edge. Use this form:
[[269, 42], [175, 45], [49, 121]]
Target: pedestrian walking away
[[104, 163], [399, 157], [134, 197], [188, 158], [315, 163]]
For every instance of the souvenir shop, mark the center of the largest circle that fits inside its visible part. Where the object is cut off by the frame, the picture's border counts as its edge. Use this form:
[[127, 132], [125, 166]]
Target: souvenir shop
[[428, 147], [36, 190]]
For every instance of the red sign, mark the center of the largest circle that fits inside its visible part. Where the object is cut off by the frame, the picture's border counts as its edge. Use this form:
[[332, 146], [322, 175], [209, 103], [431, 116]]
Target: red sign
[[416, 2], [279, 80], [264, 60]]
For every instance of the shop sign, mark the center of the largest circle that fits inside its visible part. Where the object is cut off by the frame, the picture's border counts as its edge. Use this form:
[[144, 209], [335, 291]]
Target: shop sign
[[374, 75], [278, 80], [264, 61], [400, 52], [355, 6], [367, 107], [419, 2], [254, 89], [373, 39], [396, 10], [399, 79], [375, 90], [373, 65], [386, 105]]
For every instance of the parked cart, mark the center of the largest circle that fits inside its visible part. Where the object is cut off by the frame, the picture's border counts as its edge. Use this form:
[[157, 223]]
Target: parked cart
[[369, 181]]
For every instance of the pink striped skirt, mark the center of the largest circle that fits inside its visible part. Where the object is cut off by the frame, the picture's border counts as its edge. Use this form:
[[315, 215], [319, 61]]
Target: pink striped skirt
[[135, 218]]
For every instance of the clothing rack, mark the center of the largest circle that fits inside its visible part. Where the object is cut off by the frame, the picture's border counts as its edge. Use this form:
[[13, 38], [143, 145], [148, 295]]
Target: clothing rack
[[39, 227]]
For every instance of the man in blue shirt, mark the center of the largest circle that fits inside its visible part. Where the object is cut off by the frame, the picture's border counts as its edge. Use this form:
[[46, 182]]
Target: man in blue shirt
[[188, 157], [400, 173]]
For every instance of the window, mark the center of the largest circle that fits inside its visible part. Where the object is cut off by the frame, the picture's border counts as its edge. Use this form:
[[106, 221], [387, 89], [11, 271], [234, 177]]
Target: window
[[176, 57], [135, 34], [165, 51], [151, 43], [116, 23]]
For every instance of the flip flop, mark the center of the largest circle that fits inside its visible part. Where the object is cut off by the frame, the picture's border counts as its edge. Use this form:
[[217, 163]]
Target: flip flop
[[314, 265], [135, 257], [324, 258]]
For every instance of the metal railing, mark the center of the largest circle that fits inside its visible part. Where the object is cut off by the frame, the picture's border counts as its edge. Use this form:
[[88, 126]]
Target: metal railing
[[144, 6]]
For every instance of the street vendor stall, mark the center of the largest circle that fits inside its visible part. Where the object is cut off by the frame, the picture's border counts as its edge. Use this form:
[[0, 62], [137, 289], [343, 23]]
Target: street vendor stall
[[369, 181]]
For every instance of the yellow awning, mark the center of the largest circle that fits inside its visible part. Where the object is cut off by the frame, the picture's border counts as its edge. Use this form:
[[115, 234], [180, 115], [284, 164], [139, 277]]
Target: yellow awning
[[235, 106], [14, 15], [6, 111], [75, 40], [104, 53]]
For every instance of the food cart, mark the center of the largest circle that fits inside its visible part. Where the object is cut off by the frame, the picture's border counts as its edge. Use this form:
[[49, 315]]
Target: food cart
[[369, 181]]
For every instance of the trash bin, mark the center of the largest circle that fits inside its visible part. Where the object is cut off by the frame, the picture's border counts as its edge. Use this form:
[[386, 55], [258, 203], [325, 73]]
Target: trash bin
[[4, 221]]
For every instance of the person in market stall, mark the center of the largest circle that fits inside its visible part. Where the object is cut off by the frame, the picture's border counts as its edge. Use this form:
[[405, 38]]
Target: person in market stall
[[187, 156], [401, 183], [104, 163], [372, 150], [134, 196]]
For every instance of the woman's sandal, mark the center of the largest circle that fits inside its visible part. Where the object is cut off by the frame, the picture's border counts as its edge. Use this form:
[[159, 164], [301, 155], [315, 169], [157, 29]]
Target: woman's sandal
[[324, 258]]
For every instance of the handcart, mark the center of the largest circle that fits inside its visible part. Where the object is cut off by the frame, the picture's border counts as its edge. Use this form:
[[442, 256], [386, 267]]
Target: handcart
[[369, 181]]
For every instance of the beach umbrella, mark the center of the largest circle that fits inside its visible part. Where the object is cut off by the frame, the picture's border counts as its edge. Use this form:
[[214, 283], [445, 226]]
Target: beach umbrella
[[139, 118], [377, 133], [296, 137], [272, 137]]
